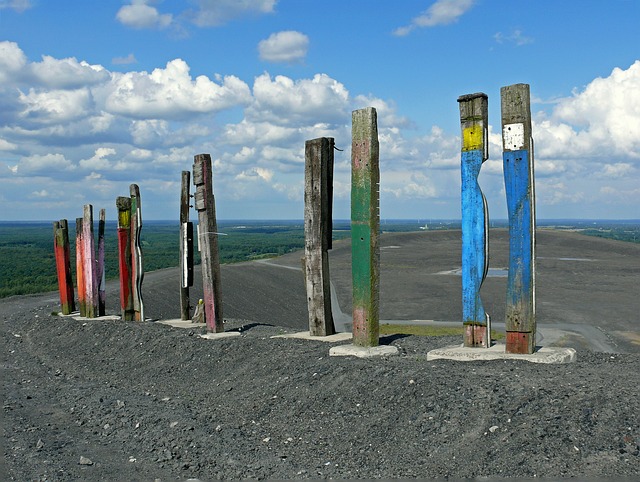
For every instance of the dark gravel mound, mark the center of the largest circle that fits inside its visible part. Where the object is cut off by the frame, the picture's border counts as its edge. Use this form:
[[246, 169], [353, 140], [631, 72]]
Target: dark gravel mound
[[103, 400]]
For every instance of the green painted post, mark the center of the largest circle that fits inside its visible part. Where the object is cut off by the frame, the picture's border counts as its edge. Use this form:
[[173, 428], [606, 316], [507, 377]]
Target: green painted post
[[365, 227]]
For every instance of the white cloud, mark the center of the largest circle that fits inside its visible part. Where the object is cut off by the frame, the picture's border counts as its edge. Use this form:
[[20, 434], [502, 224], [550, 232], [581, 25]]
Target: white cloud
[[17, 5], [139, 15], [442, 12], [67, 73], [128, 60], [55, 106], [12, 60], [516, 37], [6, 145], [46, 164], [600, 121], [172, 93], [99, 161], [212, 13], [286, 46], [285, 101], [254, 174]]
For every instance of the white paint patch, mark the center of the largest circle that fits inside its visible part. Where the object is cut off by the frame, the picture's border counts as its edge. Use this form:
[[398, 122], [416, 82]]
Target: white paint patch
[[513, 136]]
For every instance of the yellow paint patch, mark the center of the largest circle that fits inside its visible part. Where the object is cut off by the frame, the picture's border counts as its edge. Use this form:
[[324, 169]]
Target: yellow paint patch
[[472, 138]]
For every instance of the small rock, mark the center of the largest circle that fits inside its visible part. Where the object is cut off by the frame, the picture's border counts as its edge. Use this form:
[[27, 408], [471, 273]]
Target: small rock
[[173, 424], [40, 444], [219, 428], [85, 461], [493, 428]]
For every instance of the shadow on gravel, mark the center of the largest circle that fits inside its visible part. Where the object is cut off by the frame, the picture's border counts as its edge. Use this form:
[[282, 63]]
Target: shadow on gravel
[[389, 339]]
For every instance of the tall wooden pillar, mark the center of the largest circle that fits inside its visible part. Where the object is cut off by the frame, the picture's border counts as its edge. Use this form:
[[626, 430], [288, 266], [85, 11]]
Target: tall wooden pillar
[[208, 241], [100, 268], [519, 183], [63, 266], [137, 267], [365, 227], [318, 180], [82, 302], [475, 228], [186, 247], [89, 263], [124, 257]]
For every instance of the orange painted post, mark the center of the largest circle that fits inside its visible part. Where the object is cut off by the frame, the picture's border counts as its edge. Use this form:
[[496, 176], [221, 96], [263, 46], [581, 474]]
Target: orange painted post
[[124, 257], [208, 240], [318, 179], [100, 271], [63, 266], [89, 263], [82, 303], [365, 227], [137, 268]]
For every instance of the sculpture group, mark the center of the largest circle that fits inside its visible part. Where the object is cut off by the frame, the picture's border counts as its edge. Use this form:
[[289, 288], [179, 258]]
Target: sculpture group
[[365, 228]]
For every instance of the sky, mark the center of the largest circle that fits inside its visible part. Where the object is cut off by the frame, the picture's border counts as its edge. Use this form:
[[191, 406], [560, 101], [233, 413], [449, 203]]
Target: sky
[[95, 96]]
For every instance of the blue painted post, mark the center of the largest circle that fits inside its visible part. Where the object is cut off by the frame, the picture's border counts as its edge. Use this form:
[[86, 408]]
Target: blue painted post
[[519, 185], [475, 232]]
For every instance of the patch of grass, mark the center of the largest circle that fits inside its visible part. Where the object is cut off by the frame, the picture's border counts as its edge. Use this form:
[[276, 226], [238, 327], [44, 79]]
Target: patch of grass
[[430, 330]]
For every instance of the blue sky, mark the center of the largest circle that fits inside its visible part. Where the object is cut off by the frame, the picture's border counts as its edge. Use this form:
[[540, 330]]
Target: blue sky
[[97, 95]]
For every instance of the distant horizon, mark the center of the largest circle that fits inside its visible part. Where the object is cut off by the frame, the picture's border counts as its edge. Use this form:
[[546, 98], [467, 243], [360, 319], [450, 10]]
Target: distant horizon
[[621, 220]]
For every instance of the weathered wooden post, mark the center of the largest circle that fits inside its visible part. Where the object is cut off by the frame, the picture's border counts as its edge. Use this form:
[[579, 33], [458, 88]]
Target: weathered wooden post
[[82, 303], [186, 247], [124, 257], [208, 242], [519, 184], [89, 270], [365, 226], [475, 227], [318, 179], [63, 266], [100, 268], [137, 268]]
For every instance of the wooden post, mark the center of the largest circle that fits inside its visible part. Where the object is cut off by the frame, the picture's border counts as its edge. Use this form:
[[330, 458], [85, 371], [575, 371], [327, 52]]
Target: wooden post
[[124, 257], [100, 271], [519, 183], [63, 266], [208, 241], [365, 226], [475, 223], [318, 177], [186, 247], [137, 268], [82, 303], [90, 279]]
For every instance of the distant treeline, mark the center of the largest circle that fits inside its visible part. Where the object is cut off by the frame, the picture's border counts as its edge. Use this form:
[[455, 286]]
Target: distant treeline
[[27, 263]]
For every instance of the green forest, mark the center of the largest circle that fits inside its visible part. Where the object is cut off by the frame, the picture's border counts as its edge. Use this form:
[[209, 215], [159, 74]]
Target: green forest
[[27, 262]]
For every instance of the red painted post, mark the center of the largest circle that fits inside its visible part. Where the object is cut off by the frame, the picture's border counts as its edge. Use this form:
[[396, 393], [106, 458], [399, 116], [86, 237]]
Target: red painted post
[[208, 241], [137, 269], [124, 257], [100, 271], [63, 266], [89, 263], [82, 303]]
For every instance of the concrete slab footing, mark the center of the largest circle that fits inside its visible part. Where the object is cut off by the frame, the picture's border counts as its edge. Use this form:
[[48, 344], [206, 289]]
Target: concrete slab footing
[[219, 336], [97, 318], [550, 355], [363, 352], [178, 323], [305, 335]]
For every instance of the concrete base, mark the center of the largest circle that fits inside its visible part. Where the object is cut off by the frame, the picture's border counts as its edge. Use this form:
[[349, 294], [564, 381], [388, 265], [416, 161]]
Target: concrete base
[[97, 318], [552, 355], [304, 335], [219, 336], [178, 323], [363, 352]]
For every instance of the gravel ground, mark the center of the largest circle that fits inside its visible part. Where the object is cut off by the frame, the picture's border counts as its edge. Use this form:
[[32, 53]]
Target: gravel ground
[[109, 400]]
